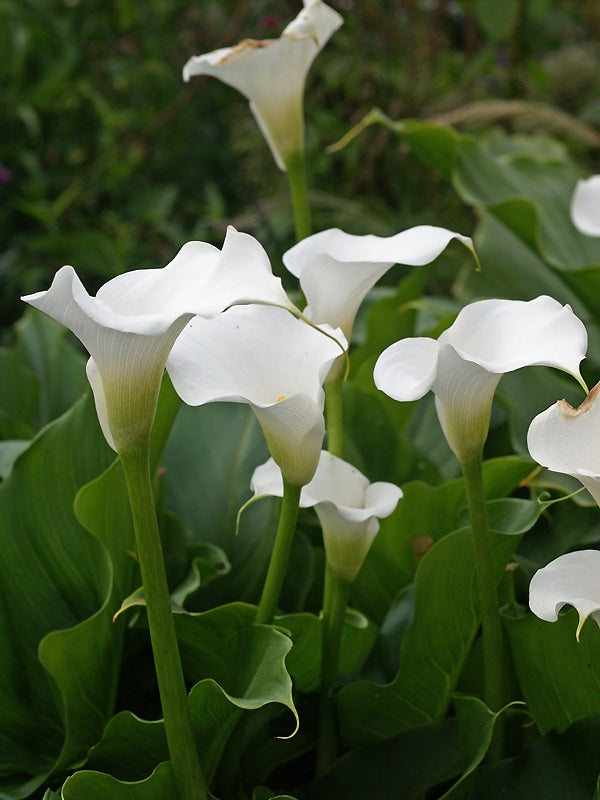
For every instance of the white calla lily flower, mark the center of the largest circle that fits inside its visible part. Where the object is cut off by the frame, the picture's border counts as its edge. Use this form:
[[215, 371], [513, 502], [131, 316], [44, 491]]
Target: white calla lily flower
[[585, 206], [572, 579], [463, 367], [276, 363], [271, 74], [349, 508], [130, 325], [565, 439], [336, 270]]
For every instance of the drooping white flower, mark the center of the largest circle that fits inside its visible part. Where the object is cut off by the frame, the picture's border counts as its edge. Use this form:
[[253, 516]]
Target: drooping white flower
[[336, 270], [463, 367], [349, 508], [572, 579], [585, 206], [130, 325], [265, 357], [271, 73], [565, 439]]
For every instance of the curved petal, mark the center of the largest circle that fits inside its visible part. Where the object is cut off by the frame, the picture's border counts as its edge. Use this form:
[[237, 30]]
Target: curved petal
[[407, 369], [346, 543], [504, 335], [337, 269], [201, 279], [294, 431], [257, 354], [565, 439], [571, 579], [263, 356], [128, 354], [347, 505], [272, 74], [585, 206], [464, 392]]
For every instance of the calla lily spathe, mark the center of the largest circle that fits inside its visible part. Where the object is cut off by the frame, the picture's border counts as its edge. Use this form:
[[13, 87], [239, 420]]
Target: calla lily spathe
[[572, 579], [463, 367], [272, 73], [130, 325], [565, 439], [336, 270], [585, 206], [276, 363], [349, 508]]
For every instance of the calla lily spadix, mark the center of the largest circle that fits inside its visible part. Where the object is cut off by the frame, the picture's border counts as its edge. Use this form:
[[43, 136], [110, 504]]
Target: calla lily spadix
[[349, 508], [271, 73], [585, 206], [572, 579], [463, 367], [130, 325], [267, 358], [336, 270], [565, 439]]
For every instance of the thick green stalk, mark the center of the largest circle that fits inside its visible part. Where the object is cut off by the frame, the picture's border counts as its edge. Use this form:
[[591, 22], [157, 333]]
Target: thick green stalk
[[173, 696], [334, 413], [280, 555], [296, 175], [491, 628], [335, 601]]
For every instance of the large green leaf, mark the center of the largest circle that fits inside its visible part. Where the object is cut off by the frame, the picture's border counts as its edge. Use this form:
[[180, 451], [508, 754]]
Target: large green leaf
[[55, 578], [89, 785], [306, 632], [559, 677], [424, 515], [60, 589], [209, 461], [556, 767], [433, 649]]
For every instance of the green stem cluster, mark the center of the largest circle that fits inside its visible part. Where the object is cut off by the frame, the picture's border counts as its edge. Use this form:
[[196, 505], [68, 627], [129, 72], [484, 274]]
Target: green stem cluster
[[178, 726]]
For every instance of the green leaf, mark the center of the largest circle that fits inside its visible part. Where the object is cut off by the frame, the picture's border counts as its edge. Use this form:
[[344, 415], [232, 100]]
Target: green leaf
[[559, 676], [237, 666], [406, 766], [433, 649], [43, 345], [88, 785], [306, 632], [424, 515], [54, 576], [475, 727], [208, 461], [557, 767]]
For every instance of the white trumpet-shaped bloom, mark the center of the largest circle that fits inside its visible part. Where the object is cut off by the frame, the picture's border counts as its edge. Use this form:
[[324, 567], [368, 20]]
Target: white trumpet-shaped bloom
[[267, 358], [463, 367], [585, 206], [572, 579], [565, 439], [271, 74], [130, 325], [336, 270], [349, 508]]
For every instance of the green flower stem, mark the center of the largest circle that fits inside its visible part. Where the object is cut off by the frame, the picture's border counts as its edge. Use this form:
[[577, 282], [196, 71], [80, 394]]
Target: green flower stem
[[173, 696], [335, 602], [491, 628], [296, 175], [334, 412], [280, 555]]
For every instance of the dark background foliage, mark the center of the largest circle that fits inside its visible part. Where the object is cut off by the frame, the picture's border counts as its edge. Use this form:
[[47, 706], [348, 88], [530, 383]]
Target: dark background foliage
[[108, 161]]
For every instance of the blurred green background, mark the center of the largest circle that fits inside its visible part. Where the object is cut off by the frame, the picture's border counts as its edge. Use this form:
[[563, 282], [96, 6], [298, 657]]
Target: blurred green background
[[108, 161]]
